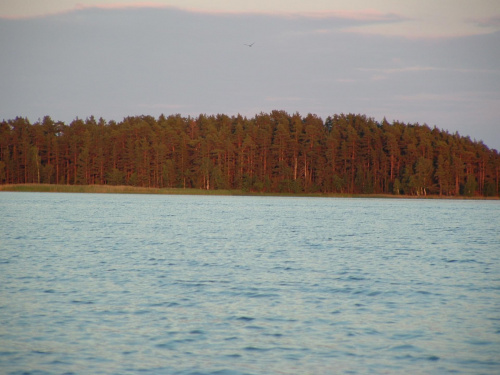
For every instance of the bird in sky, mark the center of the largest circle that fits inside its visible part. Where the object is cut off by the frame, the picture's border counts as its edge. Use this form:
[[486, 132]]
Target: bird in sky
[[249, 45]]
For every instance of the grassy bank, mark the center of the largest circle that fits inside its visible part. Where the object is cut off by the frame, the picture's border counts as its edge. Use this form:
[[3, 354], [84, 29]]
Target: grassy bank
[[111, 189]]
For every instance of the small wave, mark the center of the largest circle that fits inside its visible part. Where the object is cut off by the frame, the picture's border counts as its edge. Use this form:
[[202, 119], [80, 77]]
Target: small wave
[[285, 268], [423, 292], [163, 304], [82, 302], [42, 352], [142, 312], [256, 349], [407, 336], [197, 332], [273, 334], [218, 372], [166, 345], [58, 362], [404, 347], [479, 342], [128, 352], [480, 363], [356, 278], [245, 318], [233, 355], [461, 261], [261, 295]]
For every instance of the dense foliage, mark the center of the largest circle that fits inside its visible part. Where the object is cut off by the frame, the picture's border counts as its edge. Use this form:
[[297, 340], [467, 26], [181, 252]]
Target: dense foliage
[[275, 152]]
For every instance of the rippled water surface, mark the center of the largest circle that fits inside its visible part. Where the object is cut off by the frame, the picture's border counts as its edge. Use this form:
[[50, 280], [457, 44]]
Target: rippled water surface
[[248, 285]]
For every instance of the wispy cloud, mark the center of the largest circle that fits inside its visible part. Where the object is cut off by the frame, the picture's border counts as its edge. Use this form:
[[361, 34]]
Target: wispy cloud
[[368, 15], [118, 5], [360, 16], [161, 106], [365, 16], [380, 74], [492, 22], [283, 99], [38, 10], [346, 80], [457, 97], [378, 77], [412, 19], [418, 68], [400, 70]]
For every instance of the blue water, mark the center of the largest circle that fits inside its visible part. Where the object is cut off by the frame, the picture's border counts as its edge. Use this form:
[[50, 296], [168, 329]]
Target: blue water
[[154, 284]]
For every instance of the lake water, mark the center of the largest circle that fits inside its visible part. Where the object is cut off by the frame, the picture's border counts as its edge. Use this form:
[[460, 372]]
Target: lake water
[[157, 284]]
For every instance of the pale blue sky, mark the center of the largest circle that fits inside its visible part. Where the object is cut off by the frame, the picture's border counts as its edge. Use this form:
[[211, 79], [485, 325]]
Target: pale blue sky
[[434, 62]]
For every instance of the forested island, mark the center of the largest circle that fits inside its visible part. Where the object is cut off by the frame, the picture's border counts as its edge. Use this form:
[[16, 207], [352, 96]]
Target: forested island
[[273, 152]]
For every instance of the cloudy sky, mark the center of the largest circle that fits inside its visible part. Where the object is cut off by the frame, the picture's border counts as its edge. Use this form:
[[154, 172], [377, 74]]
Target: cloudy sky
[[427, 61]]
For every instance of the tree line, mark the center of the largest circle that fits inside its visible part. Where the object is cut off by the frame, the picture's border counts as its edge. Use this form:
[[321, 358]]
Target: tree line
[[271, 152]]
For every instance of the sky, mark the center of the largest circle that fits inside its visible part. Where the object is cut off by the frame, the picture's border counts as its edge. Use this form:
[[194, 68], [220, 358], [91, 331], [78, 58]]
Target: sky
[[434, 62]]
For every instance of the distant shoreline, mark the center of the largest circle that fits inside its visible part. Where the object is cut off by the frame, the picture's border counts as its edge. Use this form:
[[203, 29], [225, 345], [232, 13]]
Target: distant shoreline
[[112, 189]]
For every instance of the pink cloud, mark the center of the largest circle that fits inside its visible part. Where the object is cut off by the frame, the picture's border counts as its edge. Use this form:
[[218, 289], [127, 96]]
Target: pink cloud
[[80, 7], [368, 15], [137, 5], [490, 22]]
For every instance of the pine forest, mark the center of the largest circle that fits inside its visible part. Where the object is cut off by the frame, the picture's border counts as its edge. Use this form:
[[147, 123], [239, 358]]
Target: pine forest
[[273, 152]]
